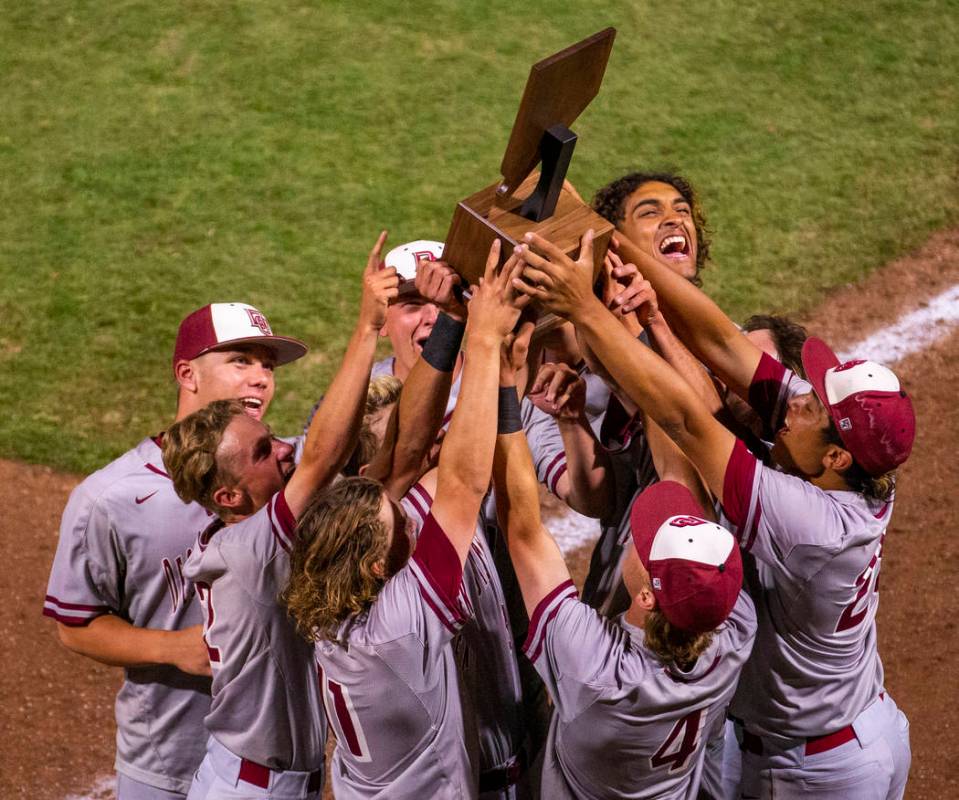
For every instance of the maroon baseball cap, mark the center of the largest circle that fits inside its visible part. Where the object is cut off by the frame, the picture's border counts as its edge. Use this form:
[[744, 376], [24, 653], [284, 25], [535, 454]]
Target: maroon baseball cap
[[223, 325], [694, 565], [873, 415]]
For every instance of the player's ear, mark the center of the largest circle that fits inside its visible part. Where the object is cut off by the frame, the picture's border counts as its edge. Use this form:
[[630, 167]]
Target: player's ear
[[185, 372], [646, 599], [228, 497], [379, 568], [837, 458]]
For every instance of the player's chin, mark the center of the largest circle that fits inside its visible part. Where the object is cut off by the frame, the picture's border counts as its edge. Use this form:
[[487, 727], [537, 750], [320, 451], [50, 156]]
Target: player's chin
[[683, 264]]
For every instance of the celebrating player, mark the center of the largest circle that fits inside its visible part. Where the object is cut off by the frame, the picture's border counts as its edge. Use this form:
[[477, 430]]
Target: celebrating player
[[383, 611], [116, 587], [815, 716], [634, 701]]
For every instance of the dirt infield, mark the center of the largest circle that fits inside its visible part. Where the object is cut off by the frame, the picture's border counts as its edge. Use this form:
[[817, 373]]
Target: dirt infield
[[57, 721]]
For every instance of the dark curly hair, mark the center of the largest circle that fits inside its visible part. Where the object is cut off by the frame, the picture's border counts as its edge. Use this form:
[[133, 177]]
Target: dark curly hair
[[610, 203]]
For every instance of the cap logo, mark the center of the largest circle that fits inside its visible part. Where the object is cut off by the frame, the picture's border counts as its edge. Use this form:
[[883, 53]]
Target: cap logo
[[845, 424], [657, 584], [423, 255], [685, 522], [257, 320]]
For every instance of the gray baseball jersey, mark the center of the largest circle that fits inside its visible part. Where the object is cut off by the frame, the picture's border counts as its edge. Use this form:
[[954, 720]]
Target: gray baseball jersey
[[122, 537], [484, 649], [265, 705], [391, 691], [817, 556], [625, 725]]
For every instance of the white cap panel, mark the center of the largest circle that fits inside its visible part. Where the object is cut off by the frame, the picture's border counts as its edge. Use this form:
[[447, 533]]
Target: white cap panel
[[706, 542], [867, 376]]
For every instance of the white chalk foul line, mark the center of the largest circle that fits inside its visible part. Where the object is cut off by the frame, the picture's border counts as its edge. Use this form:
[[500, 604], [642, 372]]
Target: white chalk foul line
[[913, 332], [104, 788]]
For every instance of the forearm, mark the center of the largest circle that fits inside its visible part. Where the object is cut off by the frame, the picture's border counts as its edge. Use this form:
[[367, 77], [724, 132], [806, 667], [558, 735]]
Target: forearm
[[643, 375], [466, 458], [679, 358], [537, 561], [588, 480], [333, 432], [423, 404], [698, 322], [115, 642]]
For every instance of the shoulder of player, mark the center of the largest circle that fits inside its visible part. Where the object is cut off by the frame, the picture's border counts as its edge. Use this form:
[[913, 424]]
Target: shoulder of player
[[134, 486]]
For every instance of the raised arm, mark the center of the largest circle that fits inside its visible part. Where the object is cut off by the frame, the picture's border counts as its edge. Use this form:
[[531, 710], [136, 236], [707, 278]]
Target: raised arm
[[537, 561], [698, 322], [466, 458], [333, 432], [564, 287]]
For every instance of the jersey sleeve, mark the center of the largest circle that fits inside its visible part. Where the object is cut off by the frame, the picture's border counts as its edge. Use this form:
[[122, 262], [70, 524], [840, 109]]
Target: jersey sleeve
[[569, 645], [545, 444], [438, 572], [86, 574], [784, 521]]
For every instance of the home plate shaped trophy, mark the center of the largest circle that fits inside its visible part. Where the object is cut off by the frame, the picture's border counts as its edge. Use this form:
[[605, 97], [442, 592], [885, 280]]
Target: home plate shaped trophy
[[558, 90]]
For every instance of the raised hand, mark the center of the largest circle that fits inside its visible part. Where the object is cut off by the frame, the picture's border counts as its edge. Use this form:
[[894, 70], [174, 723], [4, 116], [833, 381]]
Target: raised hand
[[379, 287], [437, 281], [496, 304], [553, 279], [558, 391], [628, 291]]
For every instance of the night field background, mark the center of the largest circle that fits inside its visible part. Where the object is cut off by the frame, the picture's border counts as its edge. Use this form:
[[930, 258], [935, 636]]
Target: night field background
[[158, 156]]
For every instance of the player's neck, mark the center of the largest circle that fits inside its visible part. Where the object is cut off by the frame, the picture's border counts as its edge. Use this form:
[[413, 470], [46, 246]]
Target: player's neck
[[636, 615]]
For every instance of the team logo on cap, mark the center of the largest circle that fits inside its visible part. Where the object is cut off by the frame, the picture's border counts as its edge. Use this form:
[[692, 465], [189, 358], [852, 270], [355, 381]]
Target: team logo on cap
[[257, 320], [423, 255], [845, 424], [685, 522]]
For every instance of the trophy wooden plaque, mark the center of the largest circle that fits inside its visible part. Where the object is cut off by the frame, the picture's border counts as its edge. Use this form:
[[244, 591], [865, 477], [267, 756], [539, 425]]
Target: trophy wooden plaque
[[559, 88]]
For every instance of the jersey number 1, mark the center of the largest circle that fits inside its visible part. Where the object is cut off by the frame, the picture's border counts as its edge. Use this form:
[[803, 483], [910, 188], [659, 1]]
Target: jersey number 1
[[686, 733]]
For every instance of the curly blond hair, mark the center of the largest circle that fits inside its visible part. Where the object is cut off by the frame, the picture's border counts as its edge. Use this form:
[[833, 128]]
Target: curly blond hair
[[339, 540], [189, 453], [672, 645]]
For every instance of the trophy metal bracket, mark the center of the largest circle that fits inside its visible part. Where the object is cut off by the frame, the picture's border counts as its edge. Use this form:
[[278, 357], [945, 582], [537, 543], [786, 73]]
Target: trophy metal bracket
[[556, 150]]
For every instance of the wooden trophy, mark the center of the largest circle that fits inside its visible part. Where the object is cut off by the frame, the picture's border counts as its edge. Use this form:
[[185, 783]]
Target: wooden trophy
[[558, 89]]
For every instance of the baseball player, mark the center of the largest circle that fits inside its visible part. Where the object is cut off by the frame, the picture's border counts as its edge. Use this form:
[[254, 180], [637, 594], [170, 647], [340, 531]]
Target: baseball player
[[634, 700], [384, 614], [117, 589], [815, 717]]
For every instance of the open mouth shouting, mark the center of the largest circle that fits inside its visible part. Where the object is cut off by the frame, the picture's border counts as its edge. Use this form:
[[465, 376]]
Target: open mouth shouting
[[675, 246]]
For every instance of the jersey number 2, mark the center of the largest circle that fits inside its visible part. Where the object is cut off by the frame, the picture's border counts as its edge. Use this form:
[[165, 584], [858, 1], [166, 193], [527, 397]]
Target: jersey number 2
[[681, 743]]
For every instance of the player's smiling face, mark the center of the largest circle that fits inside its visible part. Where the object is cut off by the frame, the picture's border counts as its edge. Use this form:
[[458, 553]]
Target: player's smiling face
[[409, 321], [401, 535], [260, 463], [800, 445], [244, 373], [659, 220]]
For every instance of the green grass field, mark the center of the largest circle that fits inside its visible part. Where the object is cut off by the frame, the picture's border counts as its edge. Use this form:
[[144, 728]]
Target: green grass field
[[157, 156]]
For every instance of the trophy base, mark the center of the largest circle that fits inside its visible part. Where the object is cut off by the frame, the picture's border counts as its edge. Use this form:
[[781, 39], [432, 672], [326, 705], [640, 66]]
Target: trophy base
[[479, 220]]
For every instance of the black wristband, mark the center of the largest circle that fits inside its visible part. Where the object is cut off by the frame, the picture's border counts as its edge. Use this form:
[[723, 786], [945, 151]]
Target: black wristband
[[509, 419], [443, 347]]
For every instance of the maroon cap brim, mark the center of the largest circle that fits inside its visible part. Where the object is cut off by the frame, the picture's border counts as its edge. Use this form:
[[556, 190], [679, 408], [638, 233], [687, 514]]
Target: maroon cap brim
[[817, 359], [653, 507], [285, 348]]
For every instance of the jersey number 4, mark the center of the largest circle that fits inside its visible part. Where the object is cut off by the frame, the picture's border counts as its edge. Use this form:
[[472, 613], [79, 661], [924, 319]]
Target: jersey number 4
[[682, 742]]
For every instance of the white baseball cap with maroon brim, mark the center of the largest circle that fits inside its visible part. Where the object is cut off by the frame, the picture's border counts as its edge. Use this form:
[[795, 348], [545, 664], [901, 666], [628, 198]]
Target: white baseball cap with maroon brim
[[694, 565], [872, 413], [219, 326]]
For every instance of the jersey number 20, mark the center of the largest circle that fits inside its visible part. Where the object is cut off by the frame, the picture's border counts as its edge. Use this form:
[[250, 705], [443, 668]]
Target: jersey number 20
[[681, 743]]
